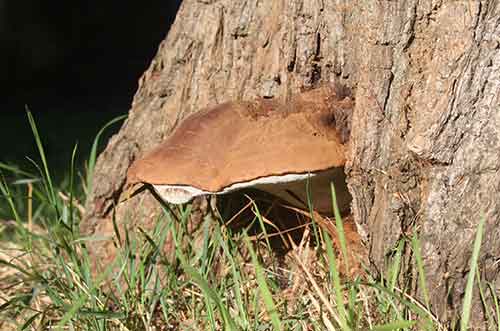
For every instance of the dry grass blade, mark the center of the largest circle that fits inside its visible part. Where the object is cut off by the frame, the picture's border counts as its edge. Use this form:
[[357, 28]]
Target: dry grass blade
[[421, 306], [325, 320], [323, 223], [30, 207], [75, 203], [235, 216], [364, 298], [317, 288], [280, 232]]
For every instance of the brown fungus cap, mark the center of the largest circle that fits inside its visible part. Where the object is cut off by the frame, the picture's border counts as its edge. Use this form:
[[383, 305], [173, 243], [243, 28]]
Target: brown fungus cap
[[237, 142]]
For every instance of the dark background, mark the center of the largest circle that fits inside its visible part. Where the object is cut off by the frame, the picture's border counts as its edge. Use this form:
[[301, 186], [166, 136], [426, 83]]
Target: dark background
[[75, 65]]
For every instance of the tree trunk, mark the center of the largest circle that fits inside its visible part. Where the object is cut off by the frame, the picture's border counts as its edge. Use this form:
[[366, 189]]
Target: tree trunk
[[424, 153]]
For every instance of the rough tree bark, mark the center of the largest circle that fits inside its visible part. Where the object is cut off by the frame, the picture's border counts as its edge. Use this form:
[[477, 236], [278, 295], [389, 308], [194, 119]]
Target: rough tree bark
[[426, 127]]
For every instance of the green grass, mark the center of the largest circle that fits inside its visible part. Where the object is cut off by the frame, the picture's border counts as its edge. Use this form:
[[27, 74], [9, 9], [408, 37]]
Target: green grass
[[216, 279]]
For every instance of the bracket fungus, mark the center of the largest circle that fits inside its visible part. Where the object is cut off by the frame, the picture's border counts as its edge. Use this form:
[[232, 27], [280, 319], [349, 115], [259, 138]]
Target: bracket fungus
[[269, 145]]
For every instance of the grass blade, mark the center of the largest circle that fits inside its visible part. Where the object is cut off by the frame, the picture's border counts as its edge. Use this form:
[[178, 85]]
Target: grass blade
[[421, 272], [310, 205], [467, 303], [82, 299], [337, 287], [71, 187], [202, 283], [395, 266], [15, 170], [264, 289], [244, 323], [494, 298], [340, 228], [93, 151], [4, 189], [261, 223], [41, 152], [29, 321], [210, 293]]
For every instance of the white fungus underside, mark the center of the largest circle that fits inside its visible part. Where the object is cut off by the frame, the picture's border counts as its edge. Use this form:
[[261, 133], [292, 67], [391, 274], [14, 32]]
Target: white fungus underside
[[178, 194]]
